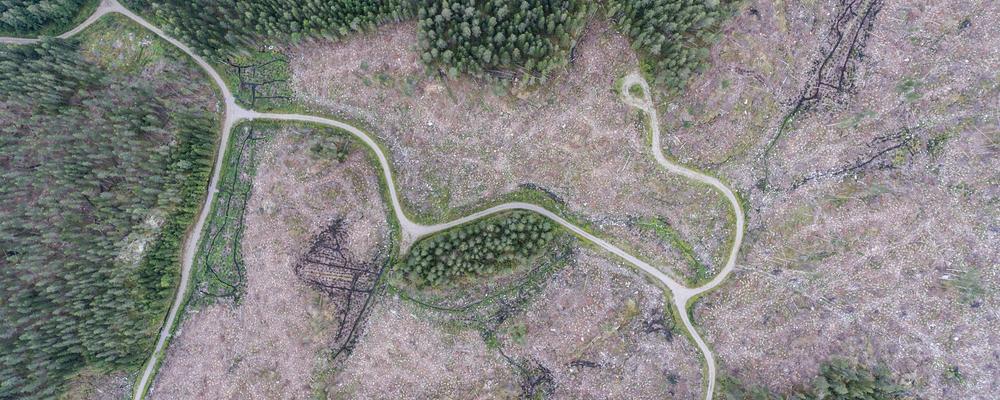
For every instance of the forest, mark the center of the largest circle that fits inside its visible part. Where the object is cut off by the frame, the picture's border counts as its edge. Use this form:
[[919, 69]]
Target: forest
[[216, 28], [28, 17], [494, 39], [672, 37], [480, 248], [102, 173], [527, 38]]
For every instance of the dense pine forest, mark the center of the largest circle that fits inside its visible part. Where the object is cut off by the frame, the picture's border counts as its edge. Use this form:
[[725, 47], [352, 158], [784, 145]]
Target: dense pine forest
[[528, 37], [102, 172], [486, 38], [215, 27], [480, 248], [671, 36], [27, 17]]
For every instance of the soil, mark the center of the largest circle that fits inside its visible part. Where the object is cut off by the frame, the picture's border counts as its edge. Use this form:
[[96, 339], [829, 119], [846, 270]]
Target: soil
[[401, 354], [873, 216], [272, 343], [602, 331], [597, 329]]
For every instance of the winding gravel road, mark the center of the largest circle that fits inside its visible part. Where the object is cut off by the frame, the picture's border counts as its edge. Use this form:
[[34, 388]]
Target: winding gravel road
[[413, 231], [683, 295]]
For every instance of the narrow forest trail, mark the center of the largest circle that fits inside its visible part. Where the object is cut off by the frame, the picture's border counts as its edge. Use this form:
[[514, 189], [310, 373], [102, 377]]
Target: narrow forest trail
[[412, 231]]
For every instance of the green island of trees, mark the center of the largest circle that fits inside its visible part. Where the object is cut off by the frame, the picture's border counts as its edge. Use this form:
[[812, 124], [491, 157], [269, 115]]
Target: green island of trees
[[501, 39], [27, 17], [838, 379], [477, 249], [102, 173]]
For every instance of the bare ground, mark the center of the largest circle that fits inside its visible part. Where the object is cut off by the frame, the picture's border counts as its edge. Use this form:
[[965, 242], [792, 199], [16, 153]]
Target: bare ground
[[401, 354], [458, 142], [272, 344], [93, 385], [602, 331], [873, 224], [597, 328]]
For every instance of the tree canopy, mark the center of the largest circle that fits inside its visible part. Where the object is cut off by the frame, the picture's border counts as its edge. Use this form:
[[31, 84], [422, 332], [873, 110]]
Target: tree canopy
[[671, 36], [480, 248], [101, 177], [26, 17], [838, 379], [214, 27], [529, 38]]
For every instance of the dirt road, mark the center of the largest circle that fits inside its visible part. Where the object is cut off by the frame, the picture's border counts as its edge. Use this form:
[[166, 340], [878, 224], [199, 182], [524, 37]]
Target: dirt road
[[684, 294]]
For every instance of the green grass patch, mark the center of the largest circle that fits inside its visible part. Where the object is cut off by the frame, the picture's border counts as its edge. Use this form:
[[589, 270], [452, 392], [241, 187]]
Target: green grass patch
[[218, 270], [853, 121], [698, 273], [636, 91], [909, 88], [259, 78], [117, 43], [969, 286]]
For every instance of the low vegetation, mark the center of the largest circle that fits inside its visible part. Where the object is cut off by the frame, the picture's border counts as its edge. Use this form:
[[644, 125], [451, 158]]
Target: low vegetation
[[697, 272], [219, 267], [481, 248], [331, 144], [636, 91], [101, 178]]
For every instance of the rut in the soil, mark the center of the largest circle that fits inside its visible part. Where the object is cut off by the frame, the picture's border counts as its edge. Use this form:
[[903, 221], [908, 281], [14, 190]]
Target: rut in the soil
[[834, 70]]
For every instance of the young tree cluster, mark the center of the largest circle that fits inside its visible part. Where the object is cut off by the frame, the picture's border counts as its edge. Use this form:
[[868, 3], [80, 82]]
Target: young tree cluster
[[672, 36], [838, 379], [477, 249], [330, 144], [26, 17], [527, 37], [85, 157], [844, 380]]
